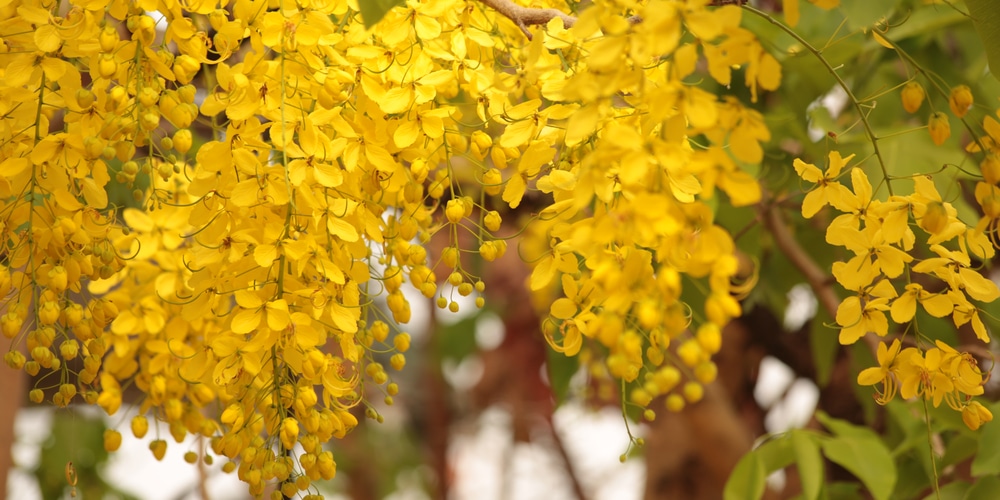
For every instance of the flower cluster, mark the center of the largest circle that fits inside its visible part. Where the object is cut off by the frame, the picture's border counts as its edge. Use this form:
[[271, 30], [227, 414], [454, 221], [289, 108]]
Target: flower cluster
[[229, 248], [883, 237], [939, 374], [631, 220]]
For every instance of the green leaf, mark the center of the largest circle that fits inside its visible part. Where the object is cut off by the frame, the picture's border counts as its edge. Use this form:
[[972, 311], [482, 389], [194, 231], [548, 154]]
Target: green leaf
[[372, 11], [987, 461], [747, 481], [824, 346], [810, 463], [867, 458], [952, 491], [959, 449], [561, 370], [776, 453], [984, 489], [986, 18], [864, 13], [843, 428]]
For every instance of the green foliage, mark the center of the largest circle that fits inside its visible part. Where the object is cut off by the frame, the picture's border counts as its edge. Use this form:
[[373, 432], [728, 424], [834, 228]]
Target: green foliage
[[987, 460], [372, 11], [858, 449], [75, 438], [986, 18]]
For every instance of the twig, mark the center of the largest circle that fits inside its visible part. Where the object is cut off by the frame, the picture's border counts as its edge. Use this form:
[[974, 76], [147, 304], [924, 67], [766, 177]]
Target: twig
[[567, 462], [530, 16], [817, 279]]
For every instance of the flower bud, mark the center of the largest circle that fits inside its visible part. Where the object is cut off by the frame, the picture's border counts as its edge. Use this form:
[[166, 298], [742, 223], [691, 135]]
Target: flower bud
[[112, 440], [454, 211], [990, 168], [939, 127], [182, 140], [913, 96], [960, 100]]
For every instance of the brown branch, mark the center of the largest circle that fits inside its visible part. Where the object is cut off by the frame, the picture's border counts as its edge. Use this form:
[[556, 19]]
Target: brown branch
[[816, 277], [531, 16], [528, 16]]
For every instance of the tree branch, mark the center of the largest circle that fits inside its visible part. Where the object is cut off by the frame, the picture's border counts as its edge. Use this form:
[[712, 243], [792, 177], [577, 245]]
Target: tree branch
[[528, 16], [817, 279], [531, 16]]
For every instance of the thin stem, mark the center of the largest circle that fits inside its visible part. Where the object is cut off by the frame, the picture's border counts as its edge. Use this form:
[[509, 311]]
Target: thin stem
[[854, 100], [930, 446]]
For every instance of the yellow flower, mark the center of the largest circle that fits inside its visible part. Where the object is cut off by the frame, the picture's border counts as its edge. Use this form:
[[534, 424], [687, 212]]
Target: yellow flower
[[975, 414], [859, 314], [882, 373], [828, 190]]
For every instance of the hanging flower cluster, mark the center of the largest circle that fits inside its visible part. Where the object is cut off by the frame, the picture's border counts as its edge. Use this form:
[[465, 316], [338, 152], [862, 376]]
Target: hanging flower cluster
[[283, 167], [883, 236], [630, 220]]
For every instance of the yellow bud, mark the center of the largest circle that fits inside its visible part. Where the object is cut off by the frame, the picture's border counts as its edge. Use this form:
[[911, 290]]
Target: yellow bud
[[640, 397], [465, 289], [960, 100], [107, 66], [449, 257], [182, 140], [139, 426], [69, 349], [706, 372], [990, 167], [14, 359], [913, 96], [398, 361], [455, 278], [380, 330], [492, 182], [482, 140], [108, 38], [402, 342], [675, 402], [454, 211], [159, 448], [492, 220], [488, 251], [148, 97], [693, 392], [112, 440], [58, 279], [935, 219], [190, 457], [289, 432], [453, 306], [85, 98], [939, 128], [187, 93], [68, 391], [667, 378]]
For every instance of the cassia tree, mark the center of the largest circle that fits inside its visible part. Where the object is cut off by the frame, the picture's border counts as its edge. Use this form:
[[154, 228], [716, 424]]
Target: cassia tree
[[286, 163]]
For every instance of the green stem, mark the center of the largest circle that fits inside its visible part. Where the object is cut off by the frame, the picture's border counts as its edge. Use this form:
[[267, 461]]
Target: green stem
[[854, 100], [930, 446]]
